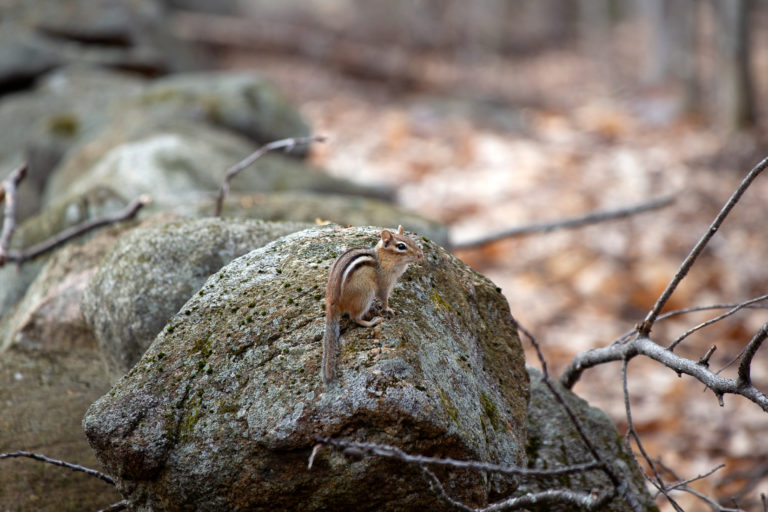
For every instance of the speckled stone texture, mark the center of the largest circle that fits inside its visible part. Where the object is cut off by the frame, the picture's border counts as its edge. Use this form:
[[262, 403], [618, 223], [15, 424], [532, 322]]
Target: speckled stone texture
[[223, 410]]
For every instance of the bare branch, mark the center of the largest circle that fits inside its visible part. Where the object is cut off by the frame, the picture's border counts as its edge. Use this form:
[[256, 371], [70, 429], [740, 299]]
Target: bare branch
[[116, 507], [126, 213], [745, 380], [392, 452], [712, 503], [658, 483], [572, 223], [557, 496], [438, 490], [684, 483], [287, 144], [551, 497], [8, 193], [642, 345], [728, 313], [56, 462], [749, 304], [645, 326]]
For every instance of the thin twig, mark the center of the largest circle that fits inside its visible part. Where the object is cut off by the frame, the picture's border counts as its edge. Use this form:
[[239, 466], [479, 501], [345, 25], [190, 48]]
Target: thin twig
[[744, 379], [615, 478], [56, 462], [750, 304], [701, 476], [645, 326], [233, 171], [712, 503], [711, 321], [704, 361], [438, 490], [571, 223], [8, 190], [552, 496], [659, 483], [126, 213], [116, 507], [391, 452]]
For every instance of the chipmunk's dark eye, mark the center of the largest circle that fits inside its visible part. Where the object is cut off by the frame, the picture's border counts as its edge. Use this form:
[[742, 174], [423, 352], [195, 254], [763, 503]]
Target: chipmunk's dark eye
[[401, 246]]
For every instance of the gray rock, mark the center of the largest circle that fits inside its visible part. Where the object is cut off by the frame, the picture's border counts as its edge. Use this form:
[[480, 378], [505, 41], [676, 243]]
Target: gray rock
[[49, 318], [181, 166], [65, 109], [51, 221], [152, 271], [77, 106], [241, 102], [346, 210], [554, 442], [130, 35], [222, 411]]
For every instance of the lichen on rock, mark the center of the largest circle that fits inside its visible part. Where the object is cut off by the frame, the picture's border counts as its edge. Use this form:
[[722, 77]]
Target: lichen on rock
[[153, 270], [223, 409]]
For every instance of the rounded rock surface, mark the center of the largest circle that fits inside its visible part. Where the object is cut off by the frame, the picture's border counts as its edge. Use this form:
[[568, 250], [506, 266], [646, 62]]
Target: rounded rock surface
[[224, 408]]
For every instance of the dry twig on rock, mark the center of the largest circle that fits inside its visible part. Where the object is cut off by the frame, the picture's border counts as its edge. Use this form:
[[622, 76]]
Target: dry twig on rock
[[56, 462], [287, 144], [8, 193], [553, 496], [127, 213]]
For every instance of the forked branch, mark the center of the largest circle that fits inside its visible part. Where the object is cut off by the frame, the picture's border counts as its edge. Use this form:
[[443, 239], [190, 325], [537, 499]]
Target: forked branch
[[287, 144]]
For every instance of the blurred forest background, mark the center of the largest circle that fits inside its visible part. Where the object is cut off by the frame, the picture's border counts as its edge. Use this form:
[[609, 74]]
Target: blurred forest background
[[494, 114]]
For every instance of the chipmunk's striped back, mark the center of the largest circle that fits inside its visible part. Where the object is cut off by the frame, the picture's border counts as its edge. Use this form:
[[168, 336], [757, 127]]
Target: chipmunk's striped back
[[356, 278], [345, 266]]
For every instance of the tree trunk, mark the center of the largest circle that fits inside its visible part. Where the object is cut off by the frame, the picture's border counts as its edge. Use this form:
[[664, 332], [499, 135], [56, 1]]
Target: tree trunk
[[735, 88]]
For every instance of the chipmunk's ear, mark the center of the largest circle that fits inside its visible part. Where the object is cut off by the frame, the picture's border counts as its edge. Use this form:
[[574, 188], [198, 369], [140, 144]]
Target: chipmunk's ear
[[386, 237], [399, 230]]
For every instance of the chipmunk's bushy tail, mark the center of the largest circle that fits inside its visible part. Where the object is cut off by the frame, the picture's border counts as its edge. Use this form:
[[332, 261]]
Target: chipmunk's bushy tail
[[330, 348]]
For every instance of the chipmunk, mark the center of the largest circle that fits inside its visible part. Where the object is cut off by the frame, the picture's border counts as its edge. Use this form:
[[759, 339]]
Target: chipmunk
[[356, 278]]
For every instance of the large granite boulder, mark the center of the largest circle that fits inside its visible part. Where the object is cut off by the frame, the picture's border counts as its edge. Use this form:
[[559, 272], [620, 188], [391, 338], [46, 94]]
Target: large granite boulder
[[153, 270], [554, 442], [223, 409]]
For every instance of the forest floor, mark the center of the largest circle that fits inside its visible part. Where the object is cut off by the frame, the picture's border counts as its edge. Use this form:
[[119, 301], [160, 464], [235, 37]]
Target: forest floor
[[523, 140]]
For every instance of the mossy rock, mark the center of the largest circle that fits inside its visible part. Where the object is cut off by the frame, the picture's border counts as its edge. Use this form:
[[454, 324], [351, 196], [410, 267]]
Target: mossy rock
[[153, 270], [554, 442], [223, 409]]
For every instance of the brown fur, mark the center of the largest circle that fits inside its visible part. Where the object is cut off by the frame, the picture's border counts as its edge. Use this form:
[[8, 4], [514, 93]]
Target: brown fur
[[356, 278]]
